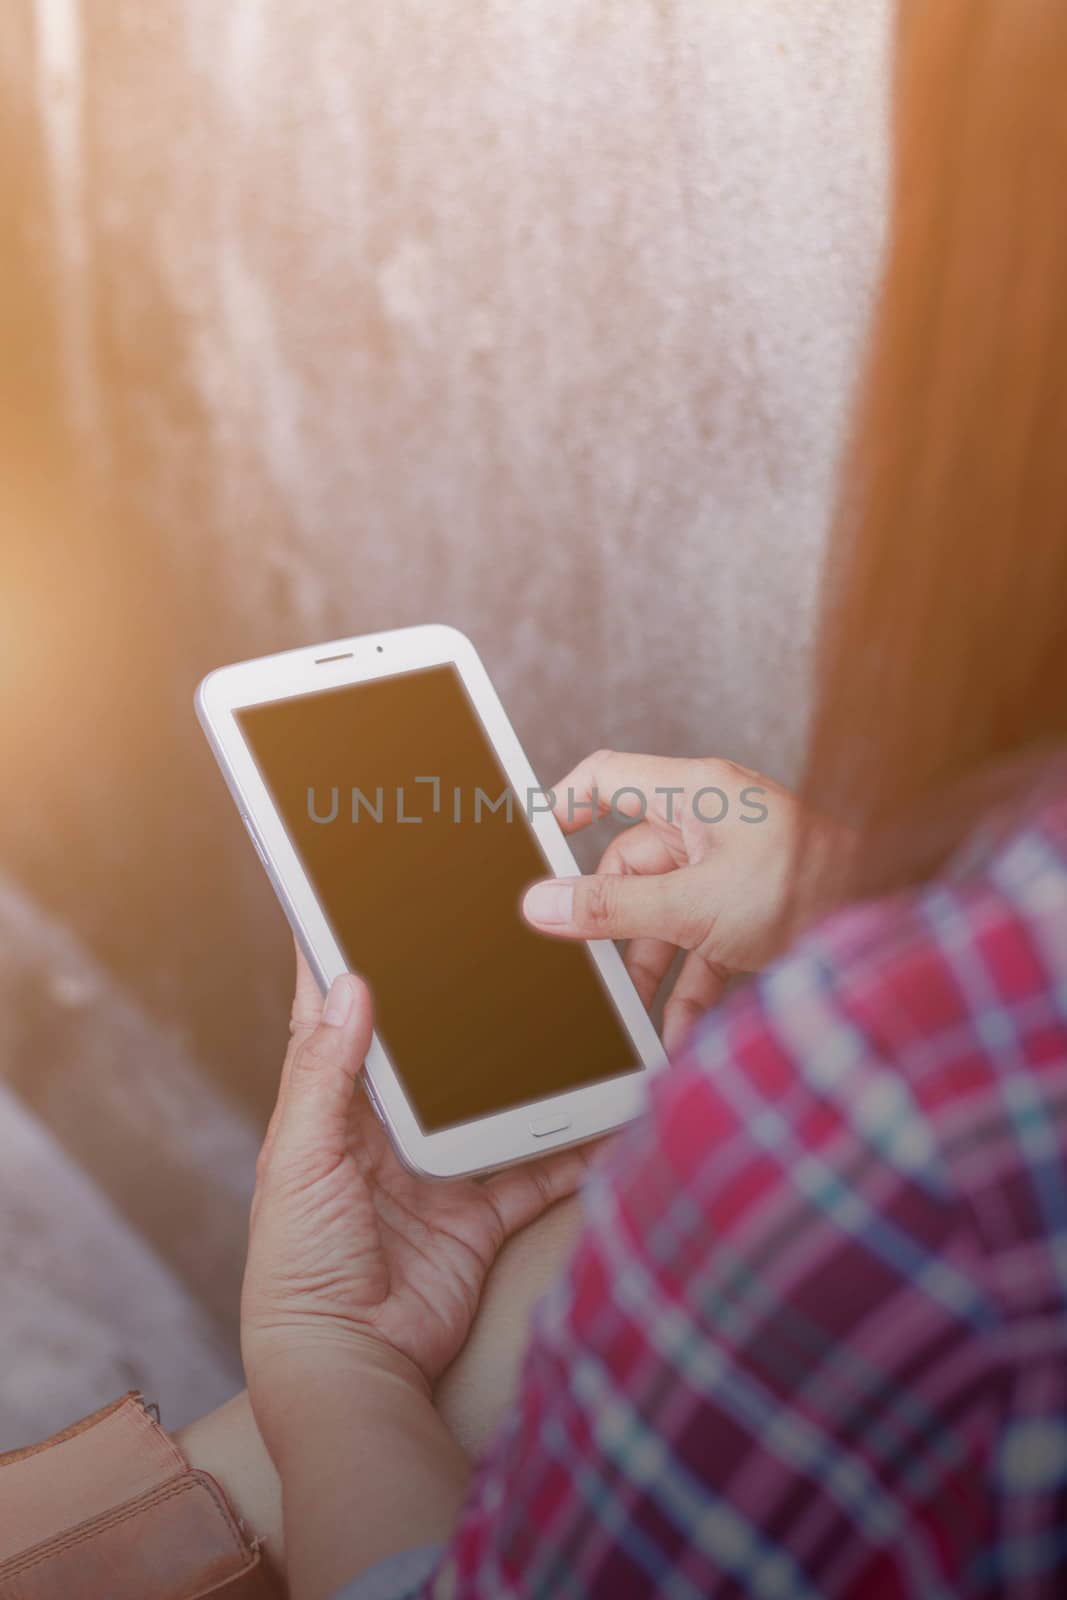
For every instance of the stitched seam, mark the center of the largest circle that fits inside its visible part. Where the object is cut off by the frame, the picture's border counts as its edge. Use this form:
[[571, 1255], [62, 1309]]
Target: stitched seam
[[132, 1509]]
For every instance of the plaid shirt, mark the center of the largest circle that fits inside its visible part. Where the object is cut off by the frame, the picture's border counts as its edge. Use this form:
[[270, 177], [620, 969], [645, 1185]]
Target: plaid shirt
[[813, 1340]]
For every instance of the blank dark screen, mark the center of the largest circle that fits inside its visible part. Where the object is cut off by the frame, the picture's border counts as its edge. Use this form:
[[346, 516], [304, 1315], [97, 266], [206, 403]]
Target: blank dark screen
[[477, 1011]]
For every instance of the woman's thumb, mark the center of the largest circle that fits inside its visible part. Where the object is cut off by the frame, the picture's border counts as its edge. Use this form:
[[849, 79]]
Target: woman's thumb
[[324, 1073], [617, 906]]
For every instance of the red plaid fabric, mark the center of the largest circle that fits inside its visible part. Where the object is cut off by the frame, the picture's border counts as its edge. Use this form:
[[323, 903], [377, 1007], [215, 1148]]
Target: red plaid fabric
[[813, 1341]]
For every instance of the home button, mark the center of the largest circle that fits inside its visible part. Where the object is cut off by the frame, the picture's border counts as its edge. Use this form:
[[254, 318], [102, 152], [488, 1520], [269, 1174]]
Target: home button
[[547, 1125]]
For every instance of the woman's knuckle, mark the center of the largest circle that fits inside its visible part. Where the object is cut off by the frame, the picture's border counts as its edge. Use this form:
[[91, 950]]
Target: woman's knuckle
[[601, 901], [542, 1183], [315, 1053], [691, 921], [707, 937]]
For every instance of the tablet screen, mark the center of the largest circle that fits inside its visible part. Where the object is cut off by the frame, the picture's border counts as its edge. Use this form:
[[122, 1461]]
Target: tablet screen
[[419, 854]]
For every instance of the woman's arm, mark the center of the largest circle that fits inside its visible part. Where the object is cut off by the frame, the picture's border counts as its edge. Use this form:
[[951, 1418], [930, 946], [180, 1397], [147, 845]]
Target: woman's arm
[[471, 1396], [369, 1468], [479, 1386], [360, 1290], [226, 1443]]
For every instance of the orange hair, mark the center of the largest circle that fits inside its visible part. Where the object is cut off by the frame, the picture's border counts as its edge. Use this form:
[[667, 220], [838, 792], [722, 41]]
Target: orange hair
[[943, 657]]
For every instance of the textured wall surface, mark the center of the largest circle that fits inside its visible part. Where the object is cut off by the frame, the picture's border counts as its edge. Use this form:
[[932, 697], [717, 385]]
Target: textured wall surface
[[538, 319]]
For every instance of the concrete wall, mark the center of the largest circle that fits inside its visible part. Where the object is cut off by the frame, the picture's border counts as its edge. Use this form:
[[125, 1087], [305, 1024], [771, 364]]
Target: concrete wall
[[538, 319]]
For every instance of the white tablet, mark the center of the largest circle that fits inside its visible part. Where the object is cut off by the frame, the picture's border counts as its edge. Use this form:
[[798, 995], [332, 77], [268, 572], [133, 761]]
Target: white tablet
[[399, 821]]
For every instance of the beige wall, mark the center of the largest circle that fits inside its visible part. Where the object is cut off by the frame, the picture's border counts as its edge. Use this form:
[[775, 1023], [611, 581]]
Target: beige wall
[[538, 319]]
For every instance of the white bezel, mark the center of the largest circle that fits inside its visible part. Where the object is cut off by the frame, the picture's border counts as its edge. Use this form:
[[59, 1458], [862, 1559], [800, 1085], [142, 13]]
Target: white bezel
[[491, 1141]]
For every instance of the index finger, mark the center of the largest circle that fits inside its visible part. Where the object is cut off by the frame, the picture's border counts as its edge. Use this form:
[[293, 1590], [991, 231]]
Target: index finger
[[633, 786]]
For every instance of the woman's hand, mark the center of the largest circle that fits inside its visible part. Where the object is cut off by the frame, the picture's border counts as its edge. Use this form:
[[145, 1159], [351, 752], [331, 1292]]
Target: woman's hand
[[704, 869], [351, 1257]]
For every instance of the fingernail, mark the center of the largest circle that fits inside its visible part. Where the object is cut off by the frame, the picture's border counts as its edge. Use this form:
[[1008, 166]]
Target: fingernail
[[550, 904], [338, 1002]]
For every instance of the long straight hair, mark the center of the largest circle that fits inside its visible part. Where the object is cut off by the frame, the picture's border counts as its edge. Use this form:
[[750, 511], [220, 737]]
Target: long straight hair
[[942, 669]]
